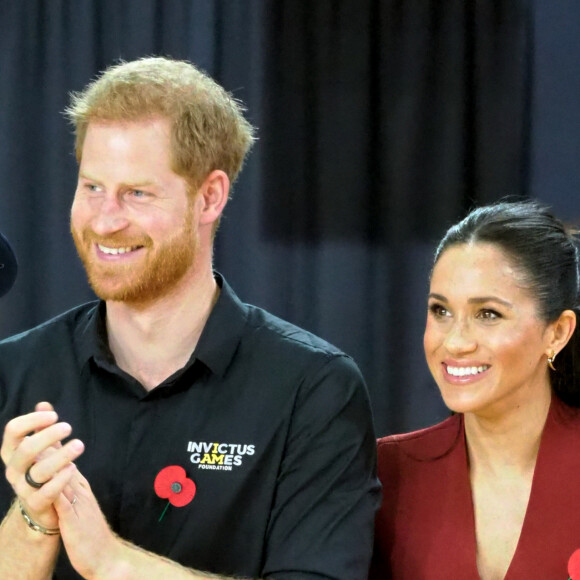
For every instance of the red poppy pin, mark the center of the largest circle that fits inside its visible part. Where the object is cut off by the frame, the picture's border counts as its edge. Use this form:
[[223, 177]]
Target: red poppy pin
[[574, 566], [172, 483]]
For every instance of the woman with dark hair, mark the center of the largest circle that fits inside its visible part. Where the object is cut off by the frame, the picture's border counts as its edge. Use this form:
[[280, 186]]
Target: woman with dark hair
[[493, 492]]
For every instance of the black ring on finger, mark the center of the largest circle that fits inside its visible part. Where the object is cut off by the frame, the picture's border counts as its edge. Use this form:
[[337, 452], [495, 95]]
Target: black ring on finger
[[31, 481]]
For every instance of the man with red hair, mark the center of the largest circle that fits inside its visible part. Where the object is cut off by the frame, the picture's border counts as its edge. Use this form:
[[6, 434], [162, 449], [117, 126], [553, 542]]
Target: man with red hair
[[210, 437]]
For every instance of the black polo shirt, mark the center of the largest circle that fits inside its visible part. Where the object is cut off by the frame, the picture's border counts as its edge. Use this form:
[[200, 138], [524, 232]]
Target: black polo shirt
[[271, 423]]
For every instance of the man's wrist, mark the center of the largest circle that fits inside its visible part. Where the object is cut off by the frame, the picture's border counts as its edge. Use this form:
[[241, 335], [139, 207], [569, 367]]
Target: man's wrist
[[36, 526]]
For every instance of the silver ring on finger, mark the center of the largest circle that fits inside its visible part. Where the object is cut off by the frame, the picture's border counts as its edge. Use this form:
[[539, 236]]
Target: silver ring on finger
[[30, 481]]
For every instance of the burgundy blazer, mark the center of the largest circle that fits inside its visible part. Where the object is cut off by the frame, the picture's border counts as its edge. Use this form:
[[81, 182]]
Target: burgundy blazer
[[425, 529]]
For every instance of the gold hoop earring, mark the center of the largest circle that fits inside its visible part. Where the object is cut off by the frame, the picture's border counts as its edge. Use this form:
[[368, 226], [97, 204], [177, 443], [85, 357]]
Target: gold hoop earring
[[551, 359]]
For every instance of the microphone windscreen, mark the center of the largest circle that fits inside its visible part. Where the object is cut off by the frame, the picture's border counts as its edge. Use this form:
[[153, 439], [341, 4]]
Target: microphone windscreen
[[8, 266]]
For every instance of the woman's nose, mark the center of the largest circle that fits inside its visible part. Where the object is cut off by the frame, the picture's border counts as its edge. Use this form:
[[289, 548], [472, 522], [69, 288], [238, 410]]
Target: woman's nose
[[460, 338]]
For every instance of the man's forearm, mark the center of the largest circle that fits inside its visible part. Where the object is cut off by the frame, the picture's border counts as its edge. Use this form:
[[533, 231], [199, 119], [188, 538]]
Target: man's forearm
[[133, 563], [25, 554]]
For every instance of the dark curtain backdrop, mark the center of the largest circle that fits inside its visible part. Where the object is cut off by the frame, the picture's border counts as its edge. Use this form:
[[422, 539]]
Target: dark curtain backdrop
[[380, 123]]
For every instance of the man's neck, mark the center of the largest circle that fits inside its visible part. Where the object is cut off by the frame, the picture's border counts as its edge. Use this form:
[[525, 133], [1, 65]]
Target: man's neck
[[153, 341]]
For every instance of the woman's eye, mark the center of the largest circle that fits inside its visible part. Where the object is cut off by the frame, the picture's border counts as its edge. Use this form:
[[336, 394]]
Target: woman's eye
[[438, 311], [487, 314]]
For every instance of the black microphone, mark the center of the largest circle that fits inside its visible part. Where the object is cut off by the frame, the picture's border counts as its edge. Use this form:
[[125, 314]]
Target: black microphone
[[8, 266]]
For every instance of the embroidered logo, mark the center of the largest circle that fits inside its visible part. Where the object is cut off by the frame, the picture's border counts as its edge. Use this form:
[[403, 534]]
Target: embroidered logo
[[218, 456]]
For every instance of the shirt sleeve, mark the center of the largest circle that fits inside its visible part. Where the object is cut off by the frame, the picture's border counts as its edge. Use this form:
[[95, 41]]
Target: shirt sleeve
[[327, 491]]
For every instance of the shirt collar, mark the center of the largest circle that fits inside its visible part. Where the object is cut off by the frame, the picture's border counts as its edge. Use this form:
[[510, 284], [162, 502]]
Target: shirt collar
[[223, 330], [216, 346]]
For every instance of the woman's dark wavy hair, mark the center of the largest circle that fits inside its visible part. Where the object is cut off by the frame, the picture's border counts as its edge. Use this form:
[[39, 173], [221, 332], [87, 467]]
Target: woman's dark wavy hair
[[544, 251]]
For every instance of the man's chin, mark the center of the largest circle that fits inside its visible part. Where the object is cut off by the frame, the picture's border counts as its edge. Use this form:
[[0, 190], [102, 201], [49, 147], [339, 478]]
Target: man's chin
[[111, 291], [130, 294]]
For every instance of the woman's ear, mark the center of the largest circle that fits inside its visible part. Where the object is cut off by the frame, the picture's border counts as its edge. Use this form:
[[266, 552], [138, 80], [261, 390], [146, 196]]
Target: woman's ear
[[560, 331]]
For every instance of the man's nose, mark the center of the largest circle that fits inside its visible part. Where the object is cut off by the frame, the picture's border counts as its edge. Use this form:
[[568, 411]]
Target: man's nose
[[110, 217]]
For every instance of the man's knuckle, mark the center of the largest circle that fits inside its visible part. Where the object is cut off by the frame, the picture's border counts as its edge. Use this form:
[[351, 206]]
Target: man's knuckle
[[10, 429], [27, 445], [11, 475]]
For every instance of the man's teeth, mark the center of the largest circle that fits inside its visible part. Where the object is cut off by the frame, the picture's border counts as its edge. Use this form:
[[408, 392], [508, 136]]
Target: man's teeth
[[115, 251], [463, 371]]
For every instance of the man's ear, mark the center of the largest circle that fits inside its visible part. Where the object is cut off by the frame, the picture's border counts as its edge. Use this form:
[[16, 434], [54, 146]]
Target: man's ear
[[213, 196], [560, 331]]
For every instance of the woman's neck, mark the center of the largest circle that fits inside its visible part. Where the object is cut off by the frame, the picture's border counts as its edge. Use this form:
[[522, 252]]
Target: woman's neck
[[510, 440]]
